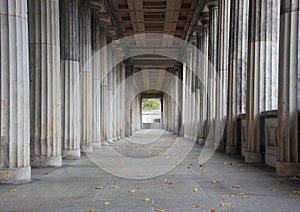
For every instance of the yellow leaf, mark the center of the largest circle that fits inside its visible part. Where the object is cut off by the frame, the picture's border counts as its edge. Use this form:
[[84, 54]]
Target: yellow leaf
[[195, 189], [159, 210], [12, 190], [90, 210], [196, 206], [225, 204], [113, 186], [245, 196], [106, 203], [214, 182], [146, 199], [232, 195], [296, 192], [131, 191], [242, 193], [98, 188]]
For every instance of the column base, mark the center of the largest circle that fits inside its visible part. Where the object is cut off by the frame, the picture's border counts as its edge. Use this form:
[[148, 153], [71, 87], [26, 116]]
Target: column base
[[96, 145], [86, 149], [15, 175], [232, 150], [253, 157], [287, 169], [42, 161], [71, 153]]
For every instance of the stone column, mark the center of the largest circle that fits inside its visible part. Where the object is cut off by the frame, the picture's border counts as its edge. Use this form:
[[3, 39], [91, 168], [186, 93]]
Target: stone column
[[222, 65], [255, 65], [14, 92], [204, 70], [96, 75], [212, 56], [237, 74], [289, 90], [86, 123], [45, 88], [110, 107], [128, 88], [69, 37], [104, 84]]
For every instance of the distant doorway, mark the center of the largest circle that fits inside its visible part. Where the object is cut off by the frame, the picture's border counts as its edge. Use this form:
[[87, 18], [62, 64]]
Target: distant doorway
[[151, 113]]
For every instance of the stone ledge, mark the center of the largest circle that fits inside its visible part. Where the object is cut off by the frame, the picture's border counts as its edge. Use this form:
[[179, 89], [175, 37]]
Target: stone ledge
[[287, 169], [15, 175], [43, 161], [232, 150], [253, 157], [71, 153]]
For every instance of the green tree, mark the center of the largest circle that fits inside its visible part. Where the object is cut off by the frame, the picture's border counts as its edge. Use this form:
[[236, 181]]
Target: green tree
[[150, 104]]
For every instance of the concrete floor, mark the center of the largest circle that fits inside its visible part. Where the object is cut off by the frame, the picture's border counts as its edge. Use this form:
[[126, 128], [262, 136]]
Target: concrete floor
[[76, 186]]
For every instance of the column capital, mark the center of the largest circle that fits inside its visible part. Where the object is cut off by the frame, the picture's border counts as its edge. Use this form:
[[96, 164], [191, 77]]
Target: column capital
[[204, 18], [212, 5]]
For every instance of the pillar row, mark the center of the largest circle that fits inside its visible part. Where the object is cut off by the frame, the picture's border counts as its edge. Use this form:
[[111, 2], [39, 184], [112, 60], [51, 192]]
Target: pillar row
[[45, 89], [69, 36], [14, 92]]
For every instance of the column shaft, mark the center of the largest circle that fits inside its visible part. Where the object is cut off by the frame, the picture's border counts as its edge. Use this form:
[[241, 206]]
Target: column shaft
[[45, 88], [14, 92], [86, 122], [289, 93], [69, 36]]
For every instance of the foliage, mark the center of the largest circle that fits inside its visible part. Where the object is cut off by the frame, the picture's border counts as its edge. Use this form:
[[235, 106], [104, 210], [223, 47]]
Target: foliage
[[150, 104]]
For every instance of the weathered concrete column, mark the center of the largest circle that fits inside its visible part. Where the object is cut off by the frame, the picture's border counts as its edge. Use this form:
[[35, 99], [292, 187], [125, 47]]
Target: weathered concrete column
[[122, 105], [212, 56], [69, 36], [222, 65], [110, 107], [237, 74], [96, 76], [204, 71], [289, 90], [86, 123], [253, 148], [45, 88], [14, 92], [128, 109]]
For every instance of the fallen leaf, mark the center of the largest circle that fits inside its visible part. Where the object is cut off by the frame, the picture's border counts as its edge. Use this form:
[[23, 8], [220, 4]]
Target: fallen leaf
[[232, 195], [159, 210], [90, 210], [236, 186], [245, 196], [106, 203], [242, 193], [294, 177], [98, 188], [116, 181], [168, 181], [227, 163], [242, 169], [272, 189], [196, 206], [56, 187], [146, 199], [214, 182], [113, 186], [174, 138], [225, 204], [296, 192], [131, 191], [12, 190], [138, 188], [195, 189], [212, 210], [46, 172]]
